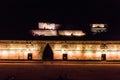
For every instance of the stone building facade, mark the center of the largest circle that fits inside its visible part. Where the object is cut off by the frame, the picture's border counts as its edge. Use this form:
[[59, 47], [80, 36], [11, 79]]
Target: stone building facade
[[59, 50]]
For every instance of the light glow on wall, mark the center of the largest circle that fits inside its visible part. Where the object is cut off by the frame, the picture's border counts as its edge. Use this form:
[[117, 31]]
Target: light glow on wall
[[71, 33], [44, 32], [113, 52], [98, 28], [5, 53], [98, 25], [76, 52], [19, 50], [48, 26]]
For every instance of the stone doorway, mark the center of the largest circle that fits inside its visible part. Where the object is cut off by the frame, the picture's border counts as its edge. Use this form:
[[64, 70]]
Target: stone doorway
[[47, 53]]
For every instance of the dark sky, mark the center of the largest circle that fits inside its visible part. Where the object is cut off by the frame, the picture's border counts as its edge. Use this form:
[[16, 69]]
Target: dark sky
[[18, 17]]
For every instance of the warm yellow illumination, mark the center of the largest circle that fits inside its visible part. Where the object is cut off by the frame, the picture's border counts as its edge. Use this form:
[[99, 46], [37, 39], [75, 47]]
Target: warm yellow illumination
[[44, 32], [71, 33], [5, 53], [75, 50], [88, 54], [98, 25], [47, 26], [113, 52]]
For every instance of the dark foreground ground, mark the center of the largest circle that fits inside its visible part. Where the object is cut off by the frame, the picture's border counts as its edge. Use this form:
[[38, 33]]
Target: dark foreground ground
[[59, 71]]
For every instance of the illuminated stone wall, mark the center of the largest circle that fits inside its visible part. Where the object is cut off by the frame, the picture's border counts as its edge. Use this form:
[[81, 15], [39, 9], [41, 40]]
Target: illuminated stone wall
[[71, 33], [86, 50], [75, 50], [11, 49], [113, 52]]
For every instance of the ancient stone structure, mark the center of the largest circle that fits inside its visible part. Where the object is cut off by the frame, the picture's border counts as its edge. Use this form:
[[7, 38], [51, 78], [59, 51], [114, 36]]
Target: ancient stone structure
[[59, 50]]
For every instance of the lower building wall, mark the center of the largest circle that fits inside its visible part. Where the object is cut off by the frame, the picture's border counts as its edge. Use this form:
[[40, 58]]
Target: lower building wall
[[19, 50], [87, 50], [73, 50], [77, 51]]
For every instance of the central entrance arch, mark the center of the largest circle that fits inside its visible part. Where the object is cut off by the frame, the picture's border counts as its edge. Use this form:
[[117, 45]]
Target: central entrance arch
[[47, 53]]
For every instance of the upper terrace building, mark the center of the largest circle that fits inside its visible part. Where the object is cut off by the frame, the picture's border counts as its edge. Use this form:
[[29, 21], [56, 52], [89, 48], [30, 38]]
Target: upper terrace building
[[60, 45]]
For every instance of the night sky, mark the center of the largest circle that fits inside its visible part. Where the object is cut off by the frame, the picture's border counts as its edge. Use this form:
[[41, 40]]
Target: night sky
[[18, 17]]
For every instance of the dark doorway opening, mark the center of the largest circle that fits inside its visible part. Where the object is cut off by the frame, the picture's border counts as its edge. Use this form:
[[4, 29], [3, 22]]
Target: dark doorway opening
[[64, 57], [47, 53], [29, 56], [103, 57]]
